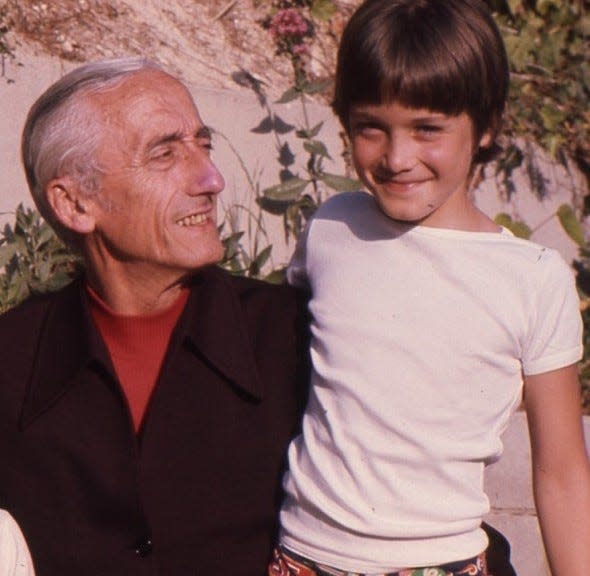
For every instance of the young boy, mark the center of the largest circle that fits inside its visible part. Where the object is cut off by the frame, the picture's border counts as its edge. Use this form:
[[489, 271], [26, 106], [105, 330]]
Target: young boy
[[429, 320]]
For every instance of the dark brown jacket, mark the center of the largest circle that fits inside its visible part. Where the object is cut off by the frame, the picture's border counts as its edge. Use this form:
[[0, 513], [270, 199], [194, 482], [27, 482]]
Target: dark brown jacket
[[197, 491]]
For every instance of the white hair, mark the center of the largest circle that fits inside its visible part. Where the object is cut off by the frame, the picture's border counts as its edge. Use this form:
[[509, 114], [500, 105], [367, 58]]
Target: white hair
[[62, 136]]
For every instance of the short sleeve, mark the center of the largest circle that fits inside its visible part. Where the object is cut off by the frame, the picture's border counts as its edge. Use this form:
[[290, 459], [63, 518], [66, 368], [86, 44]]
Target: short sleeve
[[555, 338]]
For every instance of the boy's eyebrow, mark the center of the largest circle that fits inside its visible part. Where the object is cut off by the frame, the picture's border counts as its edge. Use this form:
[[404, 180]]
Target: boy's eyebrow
[[369, 115], [177, 136], [364, 115], [431, 116]]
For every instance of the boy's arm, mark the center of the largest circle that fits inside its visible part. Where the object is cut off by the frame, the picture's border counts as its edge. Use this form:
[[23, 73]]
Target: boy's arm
[[561, 469]]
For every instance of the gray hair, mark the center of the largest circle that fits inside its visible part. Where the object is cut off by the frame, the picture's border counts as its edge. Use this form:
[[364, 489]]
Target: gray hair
[[61, 137]]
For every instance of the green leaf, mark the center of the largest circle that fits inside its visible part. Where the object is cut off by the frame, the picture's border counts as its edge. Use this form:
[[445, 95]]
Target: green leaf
[[232, 244], [323, 9], [518, 50], [517, 227], [7, 252], [277, 276], [57, 281], [316, 87], [553, 143], [571, 224], [262, 258], [44, 271], [521, 230], [514, 5], [273, 205], [543, 6], [503, 219], [311, 133], [316, 147], [289, 95], [286, 191], [340, 183], [280, 199], [552, 117]]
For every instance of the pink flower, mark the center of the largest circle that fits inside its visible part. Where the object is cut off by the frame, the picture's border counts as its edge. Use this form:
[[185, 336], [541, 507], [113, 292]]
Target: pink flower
[[288, 22], [301, 50]]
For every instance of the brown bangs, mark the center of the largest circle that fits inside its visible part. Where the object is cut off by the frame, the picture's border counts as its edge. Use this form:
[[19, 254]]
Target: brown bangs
[[442, 55]]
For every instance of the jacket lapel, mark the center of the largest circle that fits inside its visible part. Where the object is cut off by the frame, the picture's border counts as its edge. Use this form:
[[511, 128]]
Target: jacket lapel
[[67, 344], [215, 324]]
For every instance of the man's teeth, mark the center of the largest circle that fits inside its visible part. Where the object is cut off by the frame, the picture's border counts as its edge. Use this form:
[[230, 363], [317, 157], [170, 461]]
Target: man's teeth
[[193, 220]]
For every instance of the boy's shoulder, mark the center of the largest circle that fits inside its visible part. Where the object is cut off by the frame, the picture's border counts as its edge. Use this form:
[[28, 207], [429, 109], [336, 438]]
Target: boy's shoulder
[[345, 201], [530, 251], [350, 209], [360, 208]]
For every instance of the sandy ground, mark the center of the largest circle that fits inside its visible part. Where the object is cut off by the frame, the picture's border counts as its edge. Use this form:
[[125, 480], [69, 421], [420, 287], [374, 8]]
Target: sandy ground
[[202, 40]]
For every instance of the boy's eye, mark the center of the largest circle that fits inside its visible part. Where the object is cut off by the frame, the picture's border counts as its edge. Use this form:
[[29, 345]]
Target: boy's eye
[[366, 129], [429, 129]]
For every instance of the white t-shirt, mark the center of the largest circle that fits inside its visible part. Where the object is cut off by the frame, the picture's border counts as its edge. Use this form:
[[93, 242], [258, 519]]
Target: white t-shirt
[[420, 337], [15, 559]]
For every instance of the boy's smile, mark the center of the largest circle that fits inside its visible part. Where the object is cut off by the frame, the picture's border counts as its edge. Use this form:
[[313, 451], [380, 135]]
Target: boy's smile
[[417, 163]]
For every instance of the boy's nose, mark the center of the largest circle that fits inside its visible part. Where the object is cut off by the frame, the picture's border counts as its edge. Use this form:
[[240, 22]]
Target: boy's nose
[[399, 155]]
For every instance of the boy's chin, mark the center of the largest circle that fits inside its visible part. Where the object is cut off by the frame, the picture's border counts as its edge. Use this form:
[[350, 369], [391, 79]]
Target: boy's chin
[[402, 216]]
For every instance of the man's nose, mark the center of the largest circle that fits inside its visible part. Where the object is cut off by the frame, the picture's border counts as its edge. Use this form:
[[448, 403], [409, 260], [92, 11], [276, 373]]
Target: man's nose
[[212, 180], [206, 177]]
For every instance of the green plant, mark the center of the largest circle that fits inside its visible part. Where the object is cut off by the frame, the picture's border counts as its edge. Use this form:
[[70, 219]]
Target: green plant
[[32, 259], [296, 196], [248, 251], [6, 47], [548, 45]]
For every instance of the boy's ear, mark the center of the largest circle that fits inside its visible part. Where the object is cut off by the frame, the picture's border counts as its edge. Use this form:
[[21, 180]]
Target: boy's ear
[[487, 138], [70, 206]]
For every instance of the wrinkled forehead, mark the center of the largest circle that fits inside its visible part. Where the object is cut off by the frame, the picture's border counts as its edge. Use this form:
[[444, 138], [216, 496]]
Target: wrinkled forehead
[[144, 104]]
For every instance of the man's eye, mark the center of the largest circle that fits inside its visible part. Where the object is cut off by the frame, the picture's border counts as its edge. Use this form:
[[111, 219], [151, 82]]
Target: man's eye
[[162, 154], [207, 144]]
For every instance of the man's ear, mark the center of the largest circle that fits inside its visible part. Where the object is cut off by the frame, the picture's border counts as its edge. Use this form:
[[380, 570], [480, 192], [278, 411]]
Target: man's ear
[[72, 208]]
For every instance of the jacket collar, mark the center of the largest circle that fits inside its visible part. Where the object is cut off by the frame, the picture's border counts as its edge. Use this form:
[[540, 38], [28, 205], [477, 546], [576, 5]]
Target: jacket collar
[[213, 323]]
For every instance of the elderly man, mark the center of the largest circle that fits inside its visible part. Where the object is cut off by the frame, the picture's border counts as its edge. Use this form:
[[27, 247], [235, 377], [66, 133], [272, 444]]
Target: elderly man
[[145, 409]]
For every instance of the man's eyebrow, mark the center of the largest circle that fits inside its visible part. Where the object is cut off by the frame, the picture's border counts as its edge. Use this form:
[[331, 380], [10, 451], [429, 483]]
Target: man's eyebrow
[[204, 132], [163, 139], [177, 136]]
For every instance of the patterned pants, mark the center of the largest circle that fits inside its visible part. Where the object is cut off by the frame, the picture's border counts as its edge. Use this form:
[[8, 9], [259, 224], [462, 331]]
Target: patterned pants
[[287, 563]]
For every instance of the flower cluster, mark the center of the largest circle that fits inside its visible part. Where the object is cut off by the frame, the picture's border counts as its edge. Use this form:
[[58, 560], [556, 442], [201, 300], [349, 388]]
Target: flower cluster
[[291, 31], [289, 22]]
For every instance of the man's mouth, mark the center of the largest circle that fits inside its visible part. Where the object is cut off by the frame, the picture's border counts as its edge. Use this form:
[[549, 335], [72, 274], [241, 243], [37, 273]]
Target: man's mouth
[[193, 220]]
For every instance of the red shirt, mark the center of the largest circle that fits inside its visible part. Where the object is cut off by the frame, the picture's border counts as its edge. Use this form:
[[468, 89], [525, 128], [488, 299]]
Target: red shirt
[[137, 345]]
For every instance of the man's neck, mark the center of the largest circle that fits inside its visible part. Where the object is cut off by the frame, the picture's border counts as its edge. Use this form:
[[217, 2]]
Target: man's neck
[[136, 295]]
